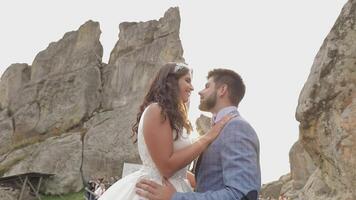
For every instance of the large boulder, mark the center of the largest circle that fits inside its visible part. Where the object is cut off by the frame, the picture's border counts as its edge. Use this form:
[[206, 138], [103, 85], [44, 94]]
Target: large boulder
[[327, 108], [323, 160], [69, 114], [47, 101]]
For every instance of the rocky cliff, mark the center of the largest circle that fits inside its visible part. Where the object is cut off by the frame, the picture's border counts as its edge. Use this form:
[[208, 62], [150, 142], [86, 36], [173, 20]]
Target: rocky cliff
[[323, 160], [70, 114]]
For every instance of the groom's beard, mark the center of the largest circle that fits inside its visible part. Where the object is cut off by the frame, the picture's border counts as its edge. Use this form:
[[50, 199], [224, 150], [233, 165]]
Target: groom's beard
[[208, 103]]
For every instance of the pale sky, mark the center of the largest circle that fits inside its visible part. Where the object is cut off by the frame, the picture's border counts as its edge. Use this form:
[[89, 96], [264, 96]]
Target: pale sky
[[271, 44]]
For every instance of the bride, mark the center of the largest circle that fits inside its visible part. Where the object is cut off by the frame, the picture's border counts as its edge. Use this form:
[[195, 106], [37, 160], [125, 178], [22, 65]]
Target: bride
[[162, 131]]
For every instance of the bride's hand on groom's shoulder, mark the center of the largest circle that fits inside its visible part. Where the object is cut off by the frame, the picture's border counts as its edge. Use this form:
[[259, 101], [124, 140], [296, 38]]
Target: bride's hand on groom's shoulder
[[218, 126]]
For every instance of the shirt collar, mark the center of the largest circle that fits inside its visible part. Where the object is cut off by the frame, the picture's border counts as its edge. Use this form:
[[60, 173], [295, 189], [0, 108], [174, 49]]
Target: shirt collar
[[223, 112]]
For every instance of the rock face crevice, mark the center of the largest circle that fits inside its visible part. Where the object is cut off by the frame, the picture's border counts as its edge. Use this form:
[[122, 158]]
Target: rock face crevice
[[71, 114], [323, 159]]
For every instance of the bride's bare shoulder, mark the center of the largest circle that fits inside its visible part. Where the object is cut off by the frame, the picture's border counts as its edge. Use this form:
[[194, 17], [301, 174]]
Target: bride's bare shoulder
[[154, 112], [153, 108]]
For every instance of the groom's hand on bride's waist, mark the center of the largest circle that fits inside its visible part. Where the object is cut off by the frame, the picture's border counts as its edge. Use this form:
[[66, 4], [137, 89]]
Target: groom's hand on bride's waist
[[154, 191]]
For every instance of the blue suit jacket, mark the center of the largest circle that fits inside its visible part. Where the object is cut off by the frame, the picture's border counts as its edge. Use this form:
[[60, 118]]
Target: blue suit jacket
[[229, 167]]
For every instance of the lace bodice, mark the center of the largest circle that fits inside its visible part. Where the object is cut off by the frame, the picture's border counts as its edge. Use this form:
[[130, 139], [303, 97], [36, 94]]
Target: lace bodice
[[147, 161]]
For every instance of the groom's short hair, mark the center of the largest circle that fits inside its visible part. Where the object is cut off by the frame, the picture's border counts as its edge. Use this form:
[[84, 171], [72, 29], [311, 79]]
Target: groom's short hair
[[234, 82]]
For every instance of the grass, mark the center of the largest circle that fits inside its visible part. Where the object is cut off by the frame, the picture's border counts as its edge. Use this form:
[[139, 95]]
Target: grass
[[71, 196]]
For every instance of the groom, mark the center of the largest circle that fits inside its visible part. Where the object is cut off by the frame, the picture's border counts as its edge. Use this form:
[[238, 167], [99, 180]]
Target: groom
[[229, 168]]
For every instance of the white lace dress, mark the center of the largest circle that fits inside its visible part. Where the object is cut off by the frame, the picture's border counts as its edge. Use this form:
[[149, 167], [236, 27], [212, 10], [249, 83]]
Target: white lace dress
[[125, 188]]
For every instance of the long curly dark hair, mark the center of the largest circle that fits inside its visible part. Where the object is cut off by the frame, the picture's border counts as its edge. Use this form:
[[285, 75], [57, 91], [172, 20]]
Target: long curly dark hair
[[164, 90]]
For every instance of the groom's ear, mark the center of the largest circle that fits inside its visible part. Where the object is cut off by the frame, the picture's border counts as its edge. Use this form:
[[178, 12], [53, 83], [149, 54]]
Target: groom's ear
[[222, 90]]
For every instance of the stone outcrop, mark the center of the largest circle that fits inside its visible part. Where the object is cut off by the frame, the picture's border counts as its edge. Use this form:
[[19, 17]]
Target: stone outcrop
[[323, 161], [70, 114], [203, 124], [274, 189], [52, 98]]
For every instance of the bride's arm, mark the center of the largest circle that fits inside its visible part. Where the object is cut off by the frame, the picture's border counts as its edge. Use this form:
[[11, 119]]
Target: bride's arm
[[159, 140]]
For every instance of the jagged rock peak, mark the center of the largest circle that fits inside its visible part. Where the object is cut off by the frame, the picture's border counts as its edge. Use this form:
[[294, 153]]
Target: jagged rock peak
[[76, 50], [142, 49]]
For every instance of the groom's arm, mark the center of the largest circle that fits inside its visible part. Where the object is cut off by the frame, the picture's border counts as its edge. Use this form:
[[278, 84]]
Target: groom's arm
[[240, 163]]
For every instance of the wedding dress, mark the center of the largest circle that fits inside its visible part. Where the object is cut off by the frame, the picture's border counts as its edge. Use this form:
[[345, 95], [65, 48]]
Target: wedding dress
[[125, 188]]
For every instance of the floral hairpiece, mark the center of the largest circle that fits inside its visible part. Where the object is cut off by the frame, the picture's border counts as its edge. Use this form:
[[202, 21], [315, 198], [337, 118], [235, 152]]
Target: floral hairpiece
[[180, 66]]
